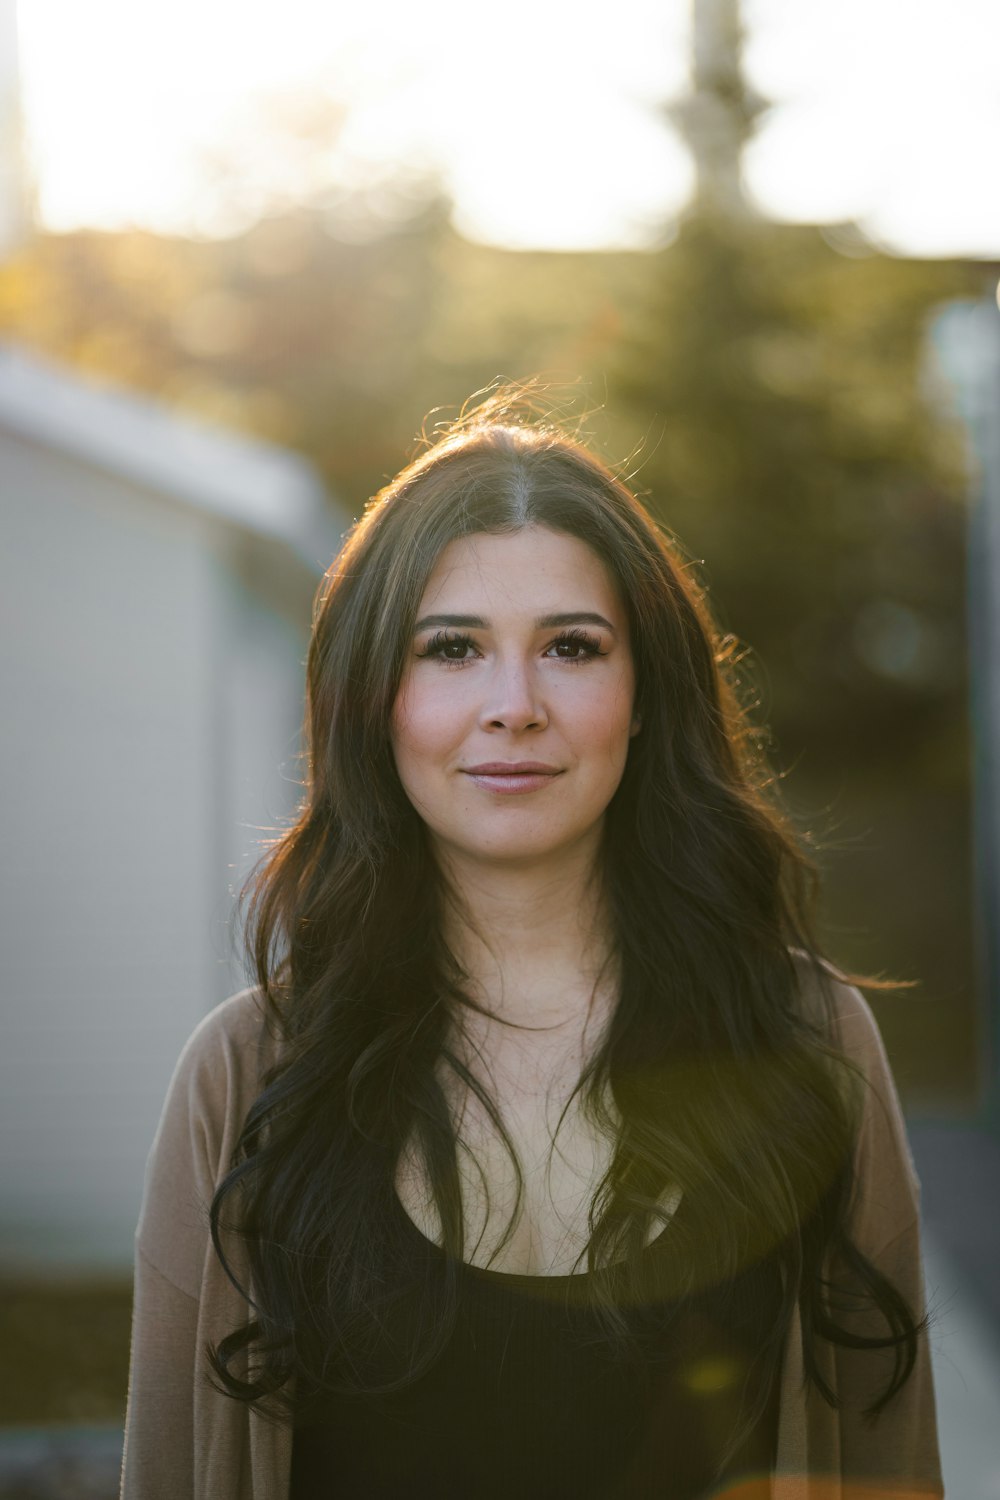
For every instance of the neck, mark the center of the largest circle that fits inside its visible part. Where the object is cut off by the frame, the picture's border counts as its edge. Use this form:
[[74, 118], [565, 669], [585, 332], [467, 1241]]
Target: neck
[[535, 945]]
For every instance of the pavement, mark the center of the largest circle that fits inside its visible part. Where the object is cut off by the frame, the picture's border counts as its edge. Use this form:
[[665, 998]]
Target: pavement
[[959, 1167], [60, 1463], [965, 1349]]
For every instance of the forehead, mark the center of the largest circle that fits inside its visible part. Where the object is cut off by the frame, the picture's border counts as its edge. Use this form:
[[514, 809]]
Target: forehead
[[533, 570]]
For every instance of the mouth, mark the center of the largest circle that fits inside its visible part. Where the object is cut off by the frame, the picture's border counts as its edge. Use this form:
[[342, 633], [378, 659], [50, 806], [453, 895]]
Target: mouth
[[512, 768], [513, 776]]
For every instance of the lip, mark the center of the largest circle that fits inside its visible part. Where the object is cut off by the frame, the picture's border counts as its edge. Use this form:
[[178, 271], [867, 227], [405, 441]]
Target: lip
[[512, 768], [511, 777]]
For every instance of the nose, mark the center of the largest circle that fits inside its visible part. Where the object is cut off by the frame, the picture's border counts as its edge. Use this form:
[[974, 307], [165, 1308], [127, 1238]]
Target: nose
[[514, 701]]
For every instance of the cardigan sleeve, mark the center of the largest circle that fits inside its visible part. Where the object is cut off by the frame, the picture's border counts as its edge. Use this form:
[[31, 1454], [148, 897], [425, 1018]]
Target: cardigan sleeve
[[158, 1462], [216, 1078], [896, 1453]]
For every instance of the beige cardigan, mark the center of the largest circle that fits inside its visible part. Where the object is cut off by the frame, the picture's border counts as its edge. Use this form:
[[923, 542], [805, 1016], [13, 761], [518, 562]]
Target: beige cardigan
[[184, 1441]]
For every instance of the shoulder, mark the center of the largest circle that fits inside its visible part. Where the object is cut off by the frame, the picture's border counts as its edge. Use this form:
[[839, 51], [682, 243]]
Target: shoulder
[[886, 1187], [219, 1072], [228, 1051], [839, 1011], [217, 1077]]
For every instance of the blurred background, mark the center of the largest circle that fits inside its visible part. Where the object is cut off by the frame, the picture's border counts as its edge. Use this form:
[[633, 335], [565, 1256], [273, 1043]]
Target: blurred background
[[245, 255]]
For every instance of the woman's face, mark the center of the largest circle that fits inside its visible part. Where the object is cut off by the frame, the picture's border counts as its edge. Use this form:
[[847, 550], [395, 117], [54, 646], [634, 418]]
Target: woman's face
[[512, 722]]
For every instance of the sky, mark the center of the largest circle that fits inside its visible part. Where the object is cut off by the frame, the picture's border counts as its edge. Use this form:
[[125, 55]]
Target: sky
[[547, 120]]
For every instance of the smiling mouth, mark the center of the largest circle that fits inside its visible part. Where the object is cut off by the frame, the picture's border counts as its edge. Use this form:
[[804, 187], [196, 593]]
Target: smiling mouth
[[522, 776], [512, 768]]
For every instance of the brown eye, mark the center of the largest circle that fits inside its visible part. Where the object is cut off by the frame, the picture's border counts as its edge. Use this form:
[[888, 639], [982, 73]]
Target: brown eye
[[575, 647], [449, 647]]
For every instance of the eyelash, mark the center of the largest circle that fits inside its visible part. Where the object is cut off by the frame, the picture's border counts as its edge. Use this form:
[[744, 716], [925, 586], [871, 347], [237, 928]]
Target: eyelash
[[590, 647]]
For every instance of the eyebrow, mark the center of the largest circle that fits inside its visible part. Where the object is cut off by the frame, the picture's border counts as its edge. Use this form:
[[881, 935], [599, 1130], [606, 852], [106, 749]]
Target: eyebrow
[[543, 622]]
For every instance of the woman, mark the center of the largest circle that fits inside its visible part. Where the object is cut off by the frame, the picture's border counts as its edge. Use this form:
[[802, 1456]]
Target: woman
[[547, 1155]]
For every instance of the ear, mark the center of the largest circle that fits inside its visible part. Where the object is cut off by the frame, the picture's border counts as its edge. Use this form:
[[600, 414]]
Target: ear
[[636, 726]]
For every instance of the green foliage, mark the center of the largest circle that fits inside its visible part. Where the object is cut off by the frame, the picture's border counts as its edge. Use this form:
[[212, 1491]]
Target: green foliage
[[335, 344], [764, 388], [779, 391], [793, 449], [771, 386]]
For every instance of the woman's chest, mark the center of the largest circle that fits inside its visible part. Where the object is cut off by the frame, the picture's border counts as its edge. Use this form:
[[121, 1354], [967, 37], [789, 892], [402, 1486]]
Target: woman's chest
[[527, 1186], [528, 1190]]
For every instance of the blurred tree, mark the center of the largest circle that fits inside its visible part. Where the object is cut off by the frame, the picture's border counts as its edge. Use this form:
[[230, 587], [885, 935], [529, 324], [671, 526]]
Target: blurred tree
[[792, 445], [766, 379], [317, 326]]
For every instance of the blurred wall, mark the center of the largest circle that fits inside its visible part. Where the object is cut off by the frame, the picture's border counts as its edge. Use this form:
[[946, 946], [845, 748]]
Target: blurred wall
[[151, 683]]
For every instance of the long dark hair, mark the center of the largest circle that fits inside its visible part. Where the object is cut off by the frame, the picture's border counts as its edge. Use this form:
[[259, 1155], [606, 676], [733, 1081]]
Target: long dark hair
[[722, 1085]]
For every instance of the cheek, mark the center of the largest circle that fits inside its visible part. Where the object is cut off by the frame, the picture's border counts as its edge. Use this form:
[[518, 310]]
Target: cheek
[[424, 727], [605, 717]]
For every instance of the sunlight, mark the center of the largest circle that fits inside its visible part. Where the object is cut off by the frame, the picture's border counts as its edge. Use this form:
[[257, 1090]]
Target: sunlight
[[544, 122], [891, 119], [545, 127]]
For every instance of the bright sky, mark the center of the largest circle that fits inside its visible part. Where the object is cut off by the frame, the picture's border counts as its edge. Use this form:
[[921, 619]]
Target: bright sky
[[543, 116]]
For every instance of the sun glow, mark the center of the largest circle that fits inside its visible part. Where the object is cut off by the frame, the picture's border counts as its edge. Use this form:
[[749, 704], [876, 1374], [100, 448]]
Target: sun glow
[[545, 122], [885, 114], [543, 125]]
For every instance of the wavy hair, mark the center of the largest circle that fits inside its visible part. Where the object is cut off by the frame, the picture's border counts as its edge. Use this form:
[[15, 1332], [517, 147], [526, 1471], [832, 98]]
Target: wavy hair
[[721, 1085]]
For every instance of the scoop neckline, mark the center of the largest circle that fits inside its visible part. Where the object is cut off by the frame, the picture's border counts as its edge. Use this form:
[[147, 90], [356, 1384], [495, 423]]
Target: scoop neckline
[[514, 1278]]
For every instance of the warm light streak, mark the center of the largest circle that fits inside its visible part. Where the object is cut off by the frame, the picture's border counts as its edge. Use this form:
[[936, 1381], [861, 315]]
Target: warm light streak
[[544, 117], [887, 113]]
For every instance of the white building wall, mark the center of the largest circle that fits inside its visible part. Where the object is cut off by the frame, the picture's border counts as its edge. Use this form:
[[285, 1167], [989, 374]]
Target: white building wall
[[258, 696], [15, 194], [147, 698]]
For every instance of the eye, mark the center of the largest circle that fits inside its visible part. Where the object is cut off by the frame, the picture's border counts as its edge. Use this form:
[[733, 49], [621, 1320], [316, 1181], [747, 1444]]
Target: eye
[[449, 645], [575, 646]]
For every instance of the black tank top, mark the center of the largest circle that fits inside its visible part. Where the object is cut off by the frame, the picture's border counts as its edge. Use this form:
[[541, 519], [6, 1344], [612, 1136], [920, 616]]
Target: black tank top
[[529, 1401]]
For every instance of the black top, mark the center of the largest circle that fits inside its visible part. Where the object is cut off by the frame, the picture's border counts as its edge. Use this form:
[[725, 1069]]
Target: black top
[[529, 1402]]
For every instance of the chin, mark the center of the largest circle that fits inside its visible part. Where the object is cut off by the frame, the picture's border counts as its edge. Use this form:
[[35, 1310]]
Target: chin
[[517, 849]]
